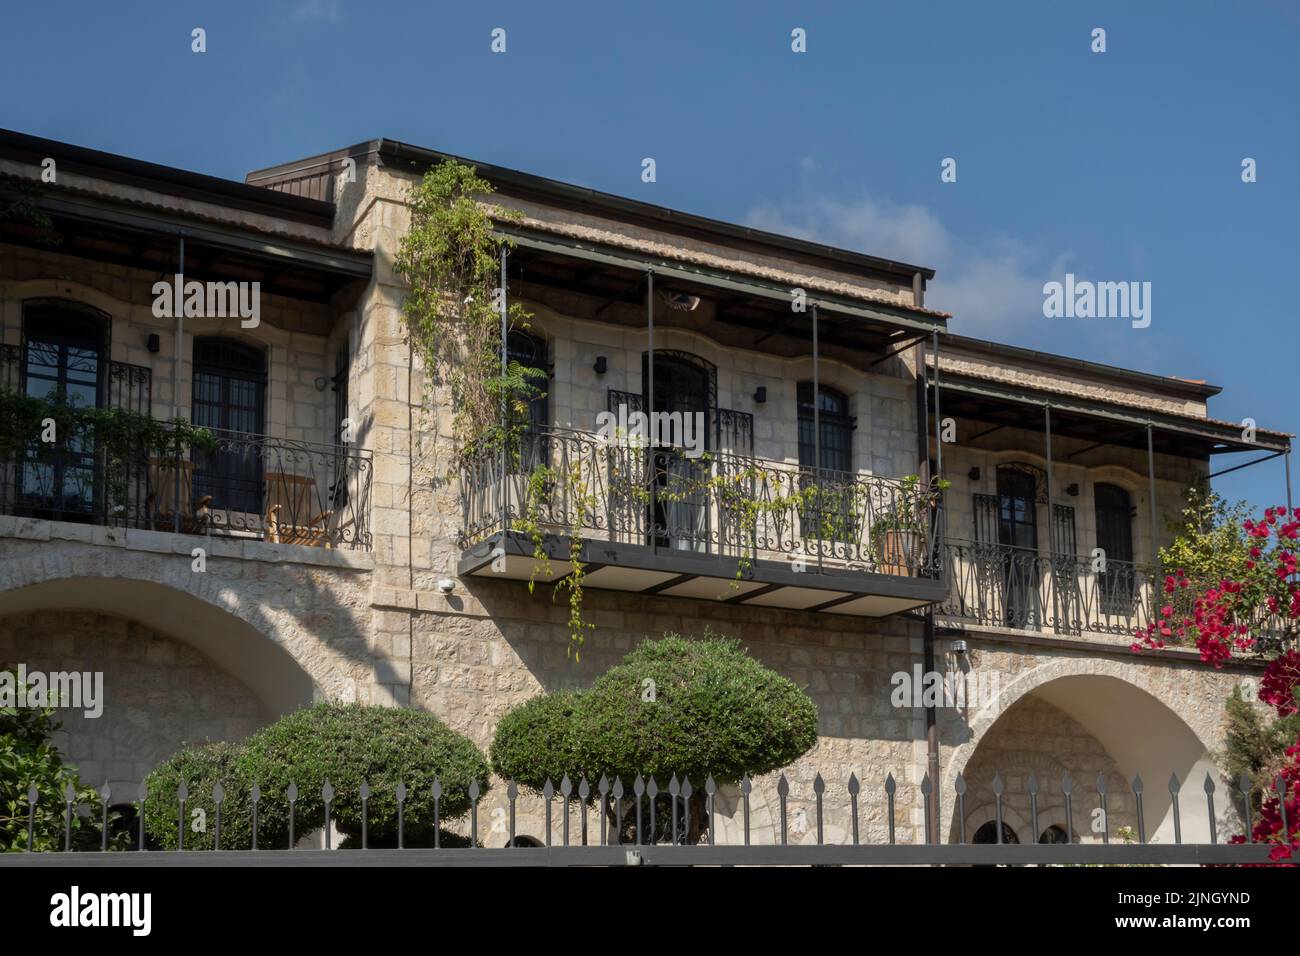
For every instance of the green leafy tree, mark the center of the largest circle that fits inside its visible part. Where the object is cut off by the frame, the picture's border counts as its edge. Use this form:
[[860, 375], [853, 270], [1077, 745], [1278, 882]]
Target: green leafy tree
[[28, 757]]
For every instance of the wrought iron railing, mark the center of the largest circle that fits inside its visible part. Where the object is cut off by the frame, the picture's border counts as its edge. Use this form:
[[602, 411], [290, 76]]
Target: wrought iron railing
[[245, 486], [565, 482], [1004, 586], [674, 822]]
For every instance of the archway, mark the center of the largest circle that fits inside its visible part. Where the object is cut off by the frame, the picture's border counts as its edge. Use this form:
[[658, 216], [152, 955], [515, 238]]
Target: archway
[[1087, 725]]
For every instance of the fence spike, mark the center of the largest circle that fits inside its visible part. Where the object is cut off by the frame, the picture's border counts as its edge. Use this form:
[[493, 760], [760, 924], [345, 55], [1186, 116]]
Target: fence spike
[[1032, 785], [327, 791], [854, 786], [365, 790], [890, 785], [437, 788]]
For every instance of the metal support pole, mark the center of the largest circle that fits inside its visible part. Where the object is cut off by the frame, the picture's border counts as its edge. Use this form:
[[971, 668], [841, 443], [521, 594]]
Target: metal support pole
[[176, 382], [816, 398], [1047, 428], [817, 415], [650, 405], [505, 408], [1151, 493], [938, 417], [1287, 461]]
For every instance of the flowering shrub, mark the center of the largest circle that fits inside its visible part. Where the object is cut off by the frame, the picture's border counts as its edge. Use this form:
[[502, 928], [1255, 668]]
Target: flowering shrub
[[1229, 616]]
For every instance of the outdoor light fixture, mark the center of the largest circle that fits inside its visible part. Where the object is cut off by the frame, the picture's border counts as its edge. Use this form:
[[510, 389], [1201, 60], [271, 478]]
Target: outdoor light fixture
[[974, 474], [446, 585], [959, 647], [601, 365], [760, 395], [1072, 490], [153, 343]]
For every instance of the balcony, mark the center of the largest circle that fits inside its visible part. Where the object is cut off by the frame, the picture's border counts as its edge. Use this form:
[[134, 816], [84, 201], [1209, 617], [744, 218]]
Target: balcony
[[243, 486], [1020, 588], [720, 527]]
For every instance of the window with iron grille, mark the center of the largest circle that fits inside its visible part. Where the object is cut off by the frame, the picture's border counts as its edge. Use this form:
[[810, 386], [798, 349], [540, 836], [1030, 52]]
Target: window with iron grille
[[831, 515], [65, 358], [836, 429], [1114, 511], [228, 395], [530, 352]]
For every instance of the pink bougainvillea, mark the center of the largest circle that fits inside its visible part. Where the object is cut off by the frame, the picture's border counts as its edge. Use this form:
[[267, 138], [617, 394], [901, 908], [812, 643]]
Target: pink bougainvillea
[[1228, 616]]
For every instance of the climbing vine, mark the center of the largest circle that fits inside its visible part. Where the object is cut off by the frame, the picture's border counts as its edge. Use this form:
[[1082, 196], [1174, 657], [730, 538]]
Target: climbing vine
[[450, 258]]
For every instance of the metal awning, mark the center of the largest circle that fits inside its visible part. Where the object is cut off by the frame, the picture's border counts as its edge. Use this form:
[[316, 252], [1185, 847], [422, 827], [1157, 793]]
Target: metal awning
[[1010, 406]]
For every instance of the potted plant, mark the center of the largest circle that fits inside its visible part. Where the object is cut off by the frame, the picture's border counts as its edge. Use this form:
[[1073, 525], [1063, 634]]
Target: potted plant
[[899, 531]]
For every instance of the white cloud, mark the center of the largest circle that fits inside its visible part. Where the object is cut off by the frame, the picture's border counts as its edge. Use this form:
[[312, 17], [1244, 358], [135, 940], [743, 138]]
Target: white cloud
[[993, 287]]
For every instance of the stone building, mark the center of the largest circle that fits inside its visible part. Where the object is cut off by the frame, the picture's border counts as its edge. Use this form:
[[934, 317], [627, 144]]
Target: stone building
[[338, 563]]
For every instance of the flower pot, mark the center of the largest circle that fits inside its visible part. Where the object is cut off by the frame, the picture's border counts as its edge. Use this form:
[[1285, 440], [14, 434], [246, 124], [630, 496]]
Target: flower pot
[[900, 552]]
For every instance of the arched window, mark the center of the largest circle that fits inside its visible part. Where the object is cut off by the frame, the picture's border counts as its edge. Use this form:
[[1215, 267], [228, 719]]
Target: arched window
[[836, 429], [1054, 834], [530, 352], [988, 833], [1114, 511], [229, 396], [65, 359]]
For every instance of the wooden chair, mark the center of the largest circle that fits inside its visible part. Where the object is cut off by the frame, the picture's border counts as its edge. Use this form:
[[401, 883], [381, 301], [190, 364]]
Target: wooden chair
[[170, 492], [293, 494]]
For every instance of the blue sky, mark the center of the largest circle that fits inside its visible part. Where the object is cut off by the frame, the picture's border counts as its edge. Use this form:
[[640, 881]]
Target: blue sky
[[1118, 166]]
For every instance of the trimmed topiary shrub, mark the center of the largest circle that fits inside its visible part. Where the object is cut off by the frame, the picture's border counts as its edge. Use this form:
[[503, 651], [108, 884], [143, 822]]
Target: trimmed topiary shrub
[[673, 706], [200, 768], [342, 743], [539, 739]]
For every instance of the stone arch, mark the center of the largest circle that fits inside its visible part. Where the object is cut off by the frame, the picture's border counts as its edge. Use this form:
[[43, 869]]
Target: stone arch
[[234, 633], [1109, 699]]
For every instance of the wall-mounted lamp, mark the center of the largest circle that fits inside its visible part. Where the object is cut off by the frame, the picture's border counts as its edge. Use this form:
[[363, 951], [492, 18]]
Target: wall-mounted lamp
[[760, 395], [974, 474], [602, 365], [1072, 490], [152, 343]]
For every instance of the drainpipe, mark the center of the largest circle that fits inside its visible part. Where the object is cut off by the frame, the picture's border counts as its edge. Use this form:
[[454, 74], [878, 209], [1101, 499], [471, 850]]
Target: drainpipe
[[932, 737], [923, 469]]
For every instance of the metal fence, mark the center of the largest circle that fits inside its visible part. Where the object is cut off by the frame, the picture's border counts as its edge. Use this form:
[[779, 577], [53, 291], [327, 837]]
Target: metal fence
[[675, 825], [718, 504]]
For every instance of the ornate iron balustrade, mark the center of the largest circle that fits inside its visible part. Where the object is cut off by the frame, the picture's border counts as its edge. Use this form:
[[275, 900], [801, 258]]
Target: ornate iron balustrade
[[1004, 586], [560, 481], [247, 486]]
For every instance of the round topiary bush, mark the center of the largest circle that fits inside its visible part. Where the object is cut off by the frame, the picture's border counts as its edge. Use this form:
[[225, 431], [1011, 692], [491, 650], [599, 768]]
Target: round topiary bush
[[348, 744], [200, 768], [539, 740], [345, 744], [680, 706]]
